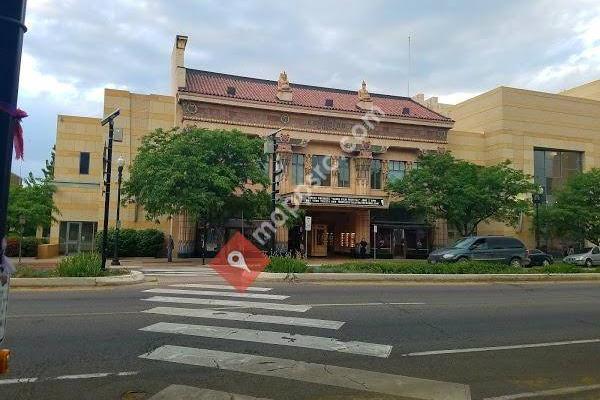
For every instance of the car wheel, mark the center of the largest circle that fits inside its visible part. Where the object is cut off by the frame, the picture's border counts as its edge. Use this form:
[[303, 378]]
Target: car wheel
[[588, 263], [462, 259], [515, 262], [545, 263]]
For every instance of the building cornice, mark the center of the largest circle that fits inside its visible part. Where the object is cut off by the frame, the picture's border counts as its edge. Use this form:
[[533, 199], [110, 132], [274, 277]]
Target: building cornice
[[291, 129], [305, 110]]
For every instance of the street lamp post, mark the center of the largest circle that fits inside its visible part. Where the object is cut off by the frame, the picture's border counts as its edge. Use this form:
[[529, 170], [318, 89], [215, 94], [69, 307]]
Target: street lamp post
[[120, 163], [22, 224], [273, 137], [108, 162], [537, 198]]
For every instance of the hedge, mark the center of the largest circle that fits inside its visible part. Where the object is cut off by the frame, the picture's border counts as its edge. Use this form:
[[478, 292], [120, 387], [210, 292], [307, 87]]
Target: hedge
[[135, 243], [29, 248]]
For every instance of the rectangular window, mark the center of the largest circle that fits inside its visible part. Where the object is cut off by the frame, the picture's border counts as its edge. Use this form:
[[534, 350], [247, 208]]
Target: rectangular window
[[552, 168], [396, 170], [344, 172], [84, 163], [321, 170], [375, 174], [298, 169]]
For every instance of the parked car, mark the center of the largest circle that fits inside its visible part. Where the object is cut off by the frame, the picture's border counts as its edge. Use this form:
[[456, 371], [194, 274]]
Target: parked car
[[502, 249], [538, 257], [588, 258]]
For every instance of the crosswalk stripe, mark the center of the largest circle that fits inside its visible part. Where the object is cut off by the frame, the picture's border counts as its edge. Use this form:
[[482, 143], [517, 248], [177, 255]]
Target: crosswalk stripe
[[271, 337], [219, 294], [221, 287], [245, 317], [180, 275], [194, 393], [362, 380], [233, 303]]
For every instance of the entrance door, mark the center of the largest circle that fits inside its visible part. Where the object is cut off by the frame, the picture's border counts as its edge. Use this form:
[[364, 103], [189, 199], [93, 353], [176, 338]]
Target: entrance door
[[73, 241], [319, 240]]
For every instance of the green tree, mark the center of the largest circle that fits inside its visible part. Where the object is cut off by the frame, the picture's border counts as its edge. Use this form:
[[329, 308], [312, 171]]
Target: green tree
[[34, 202], [463, 193], [576, 212], [207, 174]]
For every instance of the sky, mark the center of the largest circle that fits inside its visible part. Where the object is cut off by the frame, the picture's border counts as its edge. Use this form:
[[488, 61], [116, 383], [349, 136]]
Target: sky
[[73, 49]]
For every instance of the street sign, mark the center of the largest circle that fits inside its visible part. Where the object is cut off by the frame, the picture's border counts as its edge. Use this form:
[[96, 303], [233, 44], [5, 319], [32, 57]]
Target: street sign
[[375, 228], [307, 223]]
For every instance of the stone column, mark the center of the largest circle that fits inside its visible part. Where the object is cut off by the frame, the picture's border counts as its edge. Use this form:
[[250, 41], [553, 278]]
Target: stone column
[[362, 223], [335, 163], [362, 165]]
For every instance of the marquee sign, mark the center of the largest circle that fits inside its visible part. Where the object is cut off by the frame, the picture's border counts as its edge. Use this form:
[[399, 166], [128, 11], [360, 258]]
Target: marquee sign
[[343, 201]]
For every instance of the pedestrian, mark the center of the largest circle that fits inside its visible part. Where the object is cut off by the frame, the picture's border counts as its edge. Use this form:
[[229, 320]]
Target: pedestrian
[[571, 250], [170, 247], [363, 248]]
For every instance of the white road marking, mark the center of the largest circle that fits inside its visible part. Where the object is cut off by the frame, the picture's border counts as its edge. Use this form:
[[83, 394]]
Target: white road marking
[[221, 294], [221, 287], [246, 317], [323, 374], [187, 274], [67, 377], [496, 348], [232, 303], [127, 373], [544, 393], [275, 338], [84, 376], [190, 392], [18, 380], [366, 304]]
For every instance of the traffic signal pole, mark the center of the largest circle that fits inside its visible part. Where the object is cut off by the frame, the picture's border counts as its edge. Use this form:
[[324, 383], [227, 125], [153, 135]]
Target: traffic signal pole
[[12, 15], [12, 28]]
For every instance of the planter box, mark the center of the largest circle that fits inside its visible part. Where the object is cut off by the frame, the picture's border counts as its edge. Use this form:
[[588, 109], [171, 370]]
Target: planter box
[[47, 251]]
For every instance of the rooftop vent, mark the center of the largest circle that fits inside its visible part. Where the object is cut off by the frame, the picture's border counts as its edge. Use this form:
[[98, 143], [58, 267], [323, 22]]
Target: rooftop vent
[[405, 111], [230, 91], [328, 102]]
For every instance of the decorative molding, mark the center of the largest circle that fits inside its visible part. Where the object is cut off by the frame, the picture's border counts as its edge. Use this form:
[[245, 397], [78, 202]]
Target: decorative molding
[[241, 116]]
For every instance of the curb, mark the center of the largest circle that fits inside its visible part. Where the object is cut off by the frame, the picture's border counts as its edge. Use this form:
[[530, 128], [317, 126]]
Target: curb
[[429, 278], [118, 280]]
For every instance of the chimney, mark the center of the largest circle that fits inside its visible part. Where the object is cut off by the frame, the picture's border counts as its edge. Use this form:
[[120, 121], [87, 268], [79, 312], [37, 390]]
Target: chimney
[[177, 63], [365, 102], [419, 98], [284, 91]]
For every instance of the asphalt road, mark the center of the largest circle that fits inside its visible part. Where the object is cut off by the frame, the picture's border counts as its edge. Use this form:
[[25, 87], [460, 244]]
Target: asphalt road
[[86, 344]]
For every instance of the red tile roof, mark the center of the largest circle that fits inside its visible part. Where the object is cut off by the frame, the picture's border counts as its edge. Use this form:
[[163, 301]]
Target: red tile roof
[[265, 91]]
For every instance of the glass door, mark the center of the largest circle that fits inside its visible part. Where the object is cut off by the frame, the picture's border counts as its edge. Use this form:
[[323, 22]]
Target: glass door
[[73, 237]]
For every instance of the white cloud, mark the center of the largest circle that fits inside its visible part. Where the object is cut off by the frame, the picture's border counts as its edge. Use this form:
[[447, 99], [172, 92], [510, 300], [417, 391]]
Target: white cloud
[[67, 95]]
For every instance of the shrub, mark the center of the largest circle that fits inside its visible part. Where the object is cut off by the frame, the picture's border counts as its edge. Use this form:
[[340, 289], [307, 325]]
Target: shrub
[[134, 243], [82, 264], [150, 243], [29, 246], [26, 271], [284, 264]]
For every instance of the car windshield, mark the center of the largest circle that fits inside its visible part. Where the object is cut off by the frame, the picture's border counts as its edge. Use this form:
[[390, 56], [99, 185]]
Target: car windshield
[[463, 243], [586, 250]]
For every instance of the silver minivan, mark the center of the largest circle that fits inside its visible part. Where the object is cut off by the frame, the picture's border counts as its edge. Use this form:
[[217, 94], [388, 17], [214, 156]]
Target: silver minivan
[[588, 258]]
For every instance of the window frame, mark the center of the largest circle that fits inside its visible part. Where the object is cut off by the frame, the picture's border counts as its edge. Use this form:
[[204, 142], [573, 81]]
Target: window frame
[[347, 159], [84, 169], [379, 173]]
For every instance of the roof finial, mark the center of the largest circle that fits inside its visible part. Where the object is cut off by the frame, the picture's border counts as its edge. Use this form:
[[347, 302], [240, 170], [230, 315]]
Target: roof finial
[[364, 98], [284, 91]]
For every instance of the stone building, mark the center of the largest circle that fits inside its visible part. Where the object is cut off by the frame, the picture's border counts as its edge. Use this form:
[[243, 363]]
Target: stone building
[[349, 142]]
